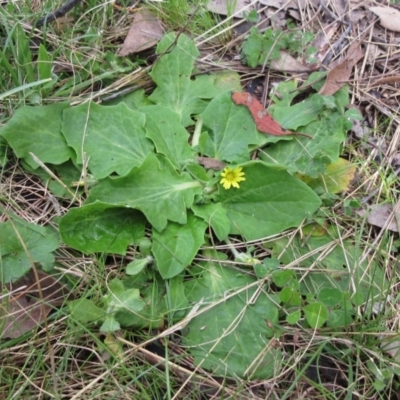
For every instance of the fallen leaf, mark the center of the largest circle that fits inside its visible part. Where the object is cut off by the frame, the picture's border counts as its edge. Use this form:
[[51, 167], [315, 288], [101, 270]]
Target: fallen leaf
[[323, 40], [227, 7], [145, 32], [284, 3], [388, 79], [264, 122], [287, 63], [379, 214], [21, 308], [340, 74], [211, 163], [389, 17]]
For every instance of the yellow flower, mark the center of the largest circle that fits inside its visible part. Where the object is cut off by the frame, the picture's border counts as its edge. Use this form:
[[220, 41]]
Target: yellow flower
[[232, 177]]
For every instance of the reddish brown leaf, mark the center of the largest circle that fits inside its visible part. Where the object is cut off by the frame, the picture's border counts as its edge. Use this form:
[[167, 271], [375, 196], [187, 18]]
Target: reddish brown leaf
[[264, 122]]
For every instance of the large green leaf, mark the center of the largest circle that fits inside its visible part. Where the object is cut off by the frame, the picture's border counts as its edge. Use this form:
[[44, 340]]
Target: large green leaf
[[37, 245], [154, 188], [175, 247], [232, 337], [231, 130], [37, 130], [112, 137], [175, 88], [268, 201], [169, 136], [101, 227]]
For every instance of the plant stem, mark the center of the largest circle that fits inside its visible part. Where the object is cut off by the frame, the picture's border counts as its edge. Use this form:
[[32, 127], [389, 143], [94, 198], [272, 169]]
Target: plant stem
[[197, 132]]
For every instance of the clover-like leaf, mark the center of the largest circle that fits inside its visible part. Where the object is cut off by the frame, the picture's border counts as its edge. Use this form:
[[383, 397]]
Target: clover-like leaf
[[154, 188], [340, 268], [316, 314], [101, 227], [37, 130], [112, 137], [231, 338], [268, 201]]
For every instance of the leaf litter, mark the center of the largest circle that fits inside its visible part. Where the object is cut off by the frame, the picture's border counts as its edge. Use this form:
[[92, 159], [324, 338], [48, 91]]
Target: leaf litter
[[145, 32], [22, 306]]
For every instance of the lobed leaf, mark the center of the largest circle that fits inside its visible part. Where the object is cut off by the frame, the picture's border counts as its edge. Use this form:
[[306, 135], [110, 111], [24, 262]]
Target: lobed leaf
[[172, 74], [154, 188], [112, 137], [231, 130], [214, 214], [163, 127]]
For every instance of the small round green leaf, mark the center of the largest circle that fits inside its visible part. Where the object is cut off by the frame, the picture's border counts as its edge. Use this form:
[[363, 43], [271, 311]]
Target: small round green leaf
[[282, 277], [357, 299], [330, 296], [339, 318], [293, 317], [316, 314], [290, 297]]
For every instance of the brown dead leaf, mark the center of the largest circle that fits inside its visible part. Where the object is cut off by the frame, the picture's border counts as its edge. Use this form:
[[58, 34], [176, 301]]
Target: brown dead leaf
[[378, 215], [211, 163], [145, 32], [295, 4], [340, 74], [323, 40], [388, 79], [389, 17], [227, 7], [287, 63], [21, 308]]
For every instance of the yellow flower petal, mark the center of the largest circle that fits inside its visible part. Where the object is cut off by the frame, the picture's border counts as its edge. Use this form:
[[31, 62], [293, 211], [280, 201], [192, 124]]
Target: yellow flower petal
[[232, 177]]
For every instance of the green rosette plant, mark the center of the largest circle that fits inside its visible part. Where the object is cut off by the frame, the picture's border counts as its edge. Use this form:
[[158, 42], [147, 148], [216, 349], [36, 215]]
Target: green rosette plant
[[172, 172]]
